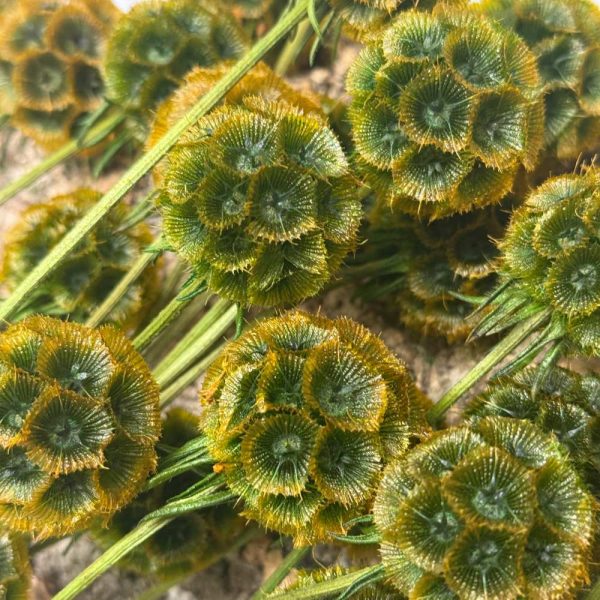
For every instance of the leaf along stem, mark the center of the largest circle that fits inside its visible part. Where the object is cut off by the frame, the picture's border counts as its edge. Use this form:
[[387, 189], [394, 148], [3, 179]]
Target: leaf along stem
[[281, 572], [93, 136], [54, 258], [500, 351]]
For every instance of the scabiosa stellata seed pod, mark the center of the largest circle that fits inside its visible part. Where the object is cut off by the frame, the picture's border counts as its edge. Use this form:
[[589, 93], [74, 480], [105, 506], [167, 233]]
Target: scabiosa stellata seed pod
[[445, 109], [154, 46], [190, 542], [50, 64], [257, 196], [492, 510], [301, 414], [15, 570], [78, 423], [565, 38], [89, 274]]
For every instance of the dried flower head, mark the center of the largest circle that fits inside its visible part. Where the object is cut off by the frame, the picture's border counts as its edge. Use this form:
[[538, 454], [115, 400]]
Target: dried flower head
[[445, 109], [15, 570], [257, 196], [565, 38], [493, 510], [190, 542], [89, 274], [50, 59], [301, 414], [155, 45], [78, 423], [551, 260]]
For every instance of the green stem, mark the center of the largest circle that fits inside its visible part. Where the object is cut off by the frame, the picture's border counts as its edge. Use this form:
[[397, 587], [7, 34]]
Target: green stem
[[281, 572], [500, 351], [112, 556], [93, 136], [288, 21], [594, 593], [138, 267], [327, 588], [293, 47]]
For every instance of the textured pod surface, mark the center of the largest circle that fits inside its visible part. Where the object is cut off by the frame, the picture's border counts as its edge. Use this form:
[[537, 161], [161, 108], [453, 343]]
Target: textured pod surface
[[257, 196], [50, 64], [189, 543], [154, 46], [301, 414], [79, 421], [565, 38], [445, 109], [15, 571], [551, 253], [90, 273], [493, 510]]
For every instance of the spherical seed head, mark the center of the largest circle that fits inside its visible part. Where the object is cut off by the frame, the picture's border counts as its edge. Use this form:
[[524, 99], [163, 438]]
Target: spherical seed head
[[155, 45], [50, 64], [445, 108], [257, 196], [552, 253], [15, 570], [80, 419], [493, 509], [565, 38], [301, 414], [84, 280]]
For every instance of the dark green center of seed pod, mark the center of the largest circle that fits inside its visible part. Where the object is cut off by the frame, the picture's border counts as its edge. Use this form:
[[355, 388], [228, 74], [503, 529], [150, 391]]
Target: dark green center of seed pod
[[286, 447], [444, 526], [65, 432], [584, 277], [484, 556], [437, 113], [491, 502]]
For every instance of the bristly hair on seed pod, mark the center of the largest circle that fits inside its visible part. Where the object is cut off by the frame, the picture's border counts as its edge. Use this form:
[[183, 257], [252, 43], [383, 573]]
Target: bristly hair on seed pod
[[15, 570], [190, 542], [445, 109], [491, 510], [565, 38], [301, 414], [257, 196], [88, 275], [50, 64], [79, 419], [157, 43], [550, 263]]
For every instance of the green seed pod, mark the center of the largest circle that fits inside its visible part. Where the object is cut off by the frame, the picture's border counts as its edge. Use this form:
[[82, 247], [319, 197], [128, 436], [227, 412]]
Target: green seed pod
[[79, 420], [565, 38], [492, 510], [551, 256], [155, 45], [89, 274], [257, 196], [50, 59], [15, 571], [301, 414], [189, 543], [445, 109]]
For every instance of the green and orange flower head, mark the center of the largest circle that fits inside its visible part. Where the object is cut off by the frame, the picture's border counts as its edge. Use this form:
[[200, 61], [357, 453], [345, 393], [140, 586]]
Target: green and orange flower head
[[257, 196], [551, 263], [565, 38], [564, 403], [301, 414], [157, 43], [489, 510], [15, 570], [187, 544], [50, 64], [446, 108], [88, 275], [79, 419]]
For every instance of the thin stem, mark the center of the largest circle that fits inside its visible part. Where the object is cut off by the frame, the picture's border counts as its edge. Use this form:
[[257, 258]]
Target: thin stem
[[594, 593], [54, 258], [93, 136], [500, 351], [293, 47], [327, 588], [138, 267], [281, 572]]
